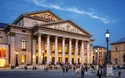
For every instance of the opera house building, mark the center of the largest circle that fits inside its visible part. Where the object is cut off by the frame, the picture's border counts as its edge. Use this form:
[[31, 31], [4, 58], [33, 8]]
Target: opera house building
[[42, 36]]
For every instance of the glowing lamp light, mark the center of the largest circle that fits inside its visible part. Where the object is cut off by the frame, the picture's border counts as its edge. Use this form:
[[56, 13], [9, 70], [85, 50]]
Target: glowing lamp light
[[107, 34]]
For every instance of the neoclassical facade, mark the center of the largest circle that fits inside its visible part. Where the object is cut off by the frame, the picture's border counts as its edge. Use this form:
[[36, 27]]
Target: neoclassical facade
[[42, 36]]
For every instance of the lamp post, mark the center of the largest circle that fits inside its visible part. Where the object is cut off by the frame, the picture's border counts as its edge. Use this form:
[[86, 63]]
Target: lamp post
[[108, 71], [96, 58], [16, 58]]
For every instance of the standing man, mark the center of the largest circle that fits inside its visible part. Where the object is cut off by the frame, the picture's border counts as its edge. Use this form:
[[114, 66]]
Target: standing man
[[82, 71], [63, 68], [99, 73]]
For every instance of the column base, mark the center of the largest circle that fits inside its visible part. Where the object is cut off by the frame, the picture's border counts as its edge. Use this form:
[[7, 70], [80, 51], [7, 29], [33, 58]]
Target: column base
[[108, 70]]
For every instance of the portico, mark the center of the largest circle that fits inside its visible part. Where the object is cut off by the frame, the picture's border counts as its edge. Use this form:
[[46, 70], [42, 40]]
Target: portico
[[58, 47]]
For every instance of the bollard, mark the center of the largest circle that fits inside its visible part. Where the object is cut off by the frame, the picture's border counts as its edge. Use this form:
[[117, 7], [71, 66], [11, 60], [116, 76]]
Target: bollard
[[119, 74]]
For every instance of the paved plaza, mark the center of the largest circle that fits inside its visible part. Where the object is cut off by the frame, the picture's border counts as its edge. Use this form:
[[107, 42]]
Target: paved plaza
[[50, 74]]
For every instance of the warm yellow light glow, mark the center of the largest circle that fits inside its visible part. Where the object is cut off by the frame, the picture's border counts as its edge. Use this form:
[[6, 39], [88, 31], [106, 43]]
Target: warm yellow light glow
[[16, 52], [50, 57], [23, 58], [33, 56], [2, 62], [37, 54], [60, 48], [41, 57]]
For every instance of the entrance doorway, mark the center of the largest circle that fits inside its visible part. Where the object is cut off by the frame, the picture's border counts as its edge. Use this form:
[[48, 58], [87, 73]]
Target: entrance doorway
[[53, 59], [60, 59], [66, 59]]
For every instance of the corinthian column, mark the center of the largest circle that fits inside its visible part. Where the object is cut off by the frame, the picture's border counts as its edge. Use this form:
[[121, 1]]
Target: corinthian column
[[76, 51], [39, 49], [82, 52], [34, 52], [63, 50], [88, 53], [56, 49], [48, 49], [70, 51]]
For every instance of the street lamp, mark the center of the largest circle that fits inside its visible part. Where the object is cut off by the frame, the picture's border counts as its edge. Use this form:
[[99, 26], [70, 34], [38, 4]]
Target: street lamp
[[108, 71], [16, 58], [96, 58]]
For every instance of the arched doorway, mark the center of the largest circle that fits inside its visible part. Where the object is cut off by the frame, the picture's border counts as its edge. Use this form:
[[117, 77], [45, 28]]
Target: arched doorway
[[2, 57]]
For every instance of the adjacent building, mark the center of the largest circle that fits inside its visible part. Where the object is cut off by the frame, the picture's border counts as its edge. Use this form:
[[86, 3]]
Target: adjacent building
[[118, 52], [99, 54], [42, 36]]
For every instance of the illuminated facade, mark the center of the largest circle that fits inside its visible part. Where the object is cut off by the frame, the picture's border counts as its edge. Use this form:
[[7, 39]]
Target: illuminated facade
[[99, 54], [43, 36], [118, 52]]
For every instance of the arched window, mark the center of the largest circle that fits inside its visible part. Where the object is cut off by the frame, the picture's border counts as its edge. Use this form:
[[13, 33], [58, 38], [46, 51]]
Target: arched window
[[23, 44]]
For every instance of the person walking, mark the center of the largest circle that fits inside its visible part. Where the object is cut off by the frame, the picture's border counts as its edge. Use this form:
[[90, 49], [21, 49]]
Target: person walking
[[82, 71], [77, 72], [99, 73]]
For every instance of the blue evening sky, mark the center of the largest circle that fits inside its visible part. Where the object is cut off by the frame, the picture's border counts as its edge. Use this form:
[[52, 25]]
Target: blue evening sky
[[95, 16]]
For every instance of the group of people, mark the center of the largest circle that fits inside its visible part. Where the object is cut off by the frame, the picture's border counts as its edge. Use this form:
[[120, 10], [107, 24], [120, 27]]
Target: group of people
[[65, 68], [82, 69]]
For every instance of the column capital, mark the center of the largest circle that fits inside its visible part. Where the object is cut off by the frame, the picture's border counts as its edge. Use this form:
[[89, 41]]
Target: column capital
[[39, 34], [77, 40], [70, 38], [56, 36]]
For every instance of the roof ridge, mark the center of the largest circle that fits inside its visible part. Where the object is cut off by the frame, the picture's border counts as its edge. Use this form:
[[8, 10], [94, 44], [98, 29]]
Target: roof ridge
[[119, 40]]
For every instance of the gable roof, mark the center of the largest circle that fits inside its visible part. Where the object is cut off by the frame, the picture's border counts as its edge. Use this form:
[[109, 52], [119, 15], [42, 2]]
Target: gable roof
[[3, 25], [69, 21], [122, 40], [36, 12]]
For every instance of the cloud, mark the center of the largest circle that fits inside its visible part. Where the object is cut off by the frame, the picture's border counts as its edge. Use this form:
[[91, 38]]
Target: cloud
[[42, 3]]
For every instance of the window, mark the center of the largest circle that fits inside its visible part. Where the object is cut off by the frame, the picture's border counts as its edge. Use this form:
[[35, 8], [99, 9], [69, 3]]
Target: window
[[23, 44], [116, 48], [116, 60], [0, 39], [23, 58], [100, 54], [23, 30]]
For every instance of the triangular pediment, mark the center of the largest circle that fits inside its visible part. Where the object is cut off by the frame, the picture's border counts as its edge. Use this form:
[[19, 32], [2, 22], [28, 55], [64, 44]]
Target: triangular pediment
[[67, 26], [44, 15]]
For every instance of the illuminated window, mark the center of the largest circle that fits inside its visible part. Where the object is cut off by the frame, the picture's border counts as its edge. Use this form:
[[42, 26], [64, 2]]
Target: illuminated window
[[23, 44], [53, 47], [2, 52], [23, 58], [60, 47]]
